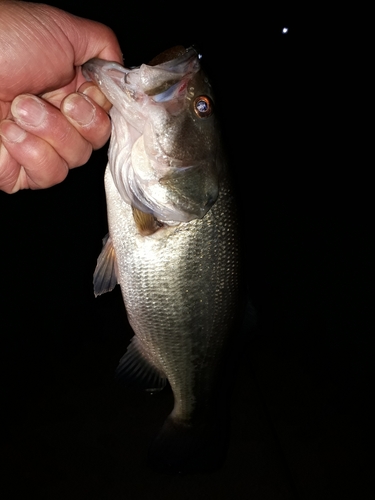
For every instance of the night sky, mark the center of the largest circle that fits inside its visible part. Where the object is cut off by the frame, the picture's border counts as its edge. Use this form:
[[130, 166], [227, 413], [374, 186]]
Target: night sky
[[300, 403]]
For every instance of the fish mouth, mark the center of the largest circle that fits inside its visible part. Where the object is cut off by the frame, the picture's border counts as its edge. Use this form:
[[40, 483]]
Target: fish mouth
[[151, 103], [149, 79]]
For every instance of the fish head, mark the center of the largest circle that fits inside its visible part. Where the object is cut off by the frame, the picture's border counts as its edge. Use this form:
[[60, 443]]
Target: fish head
[[164, 154]]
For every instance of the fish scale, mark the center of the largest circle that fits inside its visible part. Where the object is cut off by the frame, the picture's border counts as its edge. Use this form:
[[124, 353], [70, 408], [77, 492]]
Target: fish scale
[[181, 316]]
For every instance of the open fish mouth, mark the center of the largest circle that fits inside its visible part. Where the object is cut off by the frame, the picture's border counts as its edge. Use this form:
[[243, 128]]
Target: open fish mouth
[[162, 156]]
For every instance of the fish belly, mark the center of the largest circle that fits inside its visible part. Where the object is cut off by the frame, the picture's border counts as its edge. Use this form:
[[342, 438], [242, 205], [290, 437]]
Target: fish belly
[[181, 291]]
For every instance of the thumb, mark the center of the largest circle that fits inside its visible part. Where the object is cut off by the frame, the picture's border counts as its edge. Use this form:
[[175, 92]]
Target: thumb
[[88, 38], [41, 47]]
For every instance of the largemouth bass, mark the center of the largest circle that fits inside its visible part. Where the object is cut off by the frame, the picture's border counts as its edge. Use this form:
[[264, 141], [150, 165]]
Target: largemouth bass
[[173, 242]]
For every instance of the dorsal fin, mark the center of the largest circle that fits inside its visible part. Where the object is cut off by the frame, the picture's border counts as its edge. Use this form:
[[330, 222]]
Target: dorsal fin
[[105, 274]]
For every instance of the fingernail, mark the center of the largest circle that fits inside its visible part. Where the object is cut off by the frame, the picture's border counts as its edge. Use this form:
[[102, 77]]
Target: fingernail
[[79, 108], [96, 95], [28, 110], [11, 132]]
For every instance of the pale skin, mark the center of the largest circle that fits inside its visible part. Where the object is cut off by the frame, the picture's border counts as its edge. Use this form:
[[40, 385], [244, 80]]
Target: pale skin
[[51, 119]]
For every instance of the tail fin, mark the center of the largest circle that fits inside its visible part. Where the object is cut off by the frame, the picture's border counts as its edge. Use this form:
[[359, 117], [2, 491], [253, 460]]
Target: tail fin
[[185, 449]]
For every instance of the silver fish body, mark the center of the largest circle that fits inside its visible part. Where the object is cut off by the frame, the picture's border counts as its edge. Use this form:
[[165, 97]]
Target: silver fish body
[[181, 280]]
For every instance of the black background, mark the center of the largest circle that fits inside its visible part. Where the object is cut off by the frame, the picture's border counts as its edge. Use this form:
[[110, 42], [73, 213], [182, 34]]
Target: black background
[[300, 409]]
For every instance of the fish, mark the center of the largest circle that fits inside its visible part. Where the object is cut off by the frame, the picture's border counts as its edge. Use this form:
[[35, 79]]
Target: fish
[[173, 245]]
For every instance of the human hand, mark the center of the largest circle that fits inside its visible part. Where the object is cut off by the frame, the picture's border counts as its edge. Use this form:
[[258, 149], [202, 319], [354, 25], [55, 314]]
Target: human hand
[[41, 51]]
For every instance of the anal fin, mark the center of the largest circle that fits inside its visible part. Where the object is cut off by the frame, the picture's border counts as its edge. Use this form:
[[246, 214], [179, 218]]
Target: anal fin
[[135, 369]]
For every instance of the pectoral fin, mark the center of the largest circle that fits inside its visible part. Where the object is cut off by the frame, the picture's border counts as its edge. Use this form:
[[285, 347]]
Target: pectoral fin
[[146, 223], [105, 275]]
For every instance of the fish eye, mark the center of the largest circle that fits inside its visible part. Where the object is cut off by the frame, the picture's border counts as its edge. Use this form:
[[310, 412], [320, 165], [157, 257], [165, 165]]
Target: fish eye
[[203, 106]]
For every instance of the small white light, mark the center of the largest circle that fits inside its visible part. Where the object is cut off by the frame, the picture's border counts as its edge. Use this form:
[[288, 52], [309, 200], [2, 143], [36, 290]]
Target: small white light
[[285, 30]]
